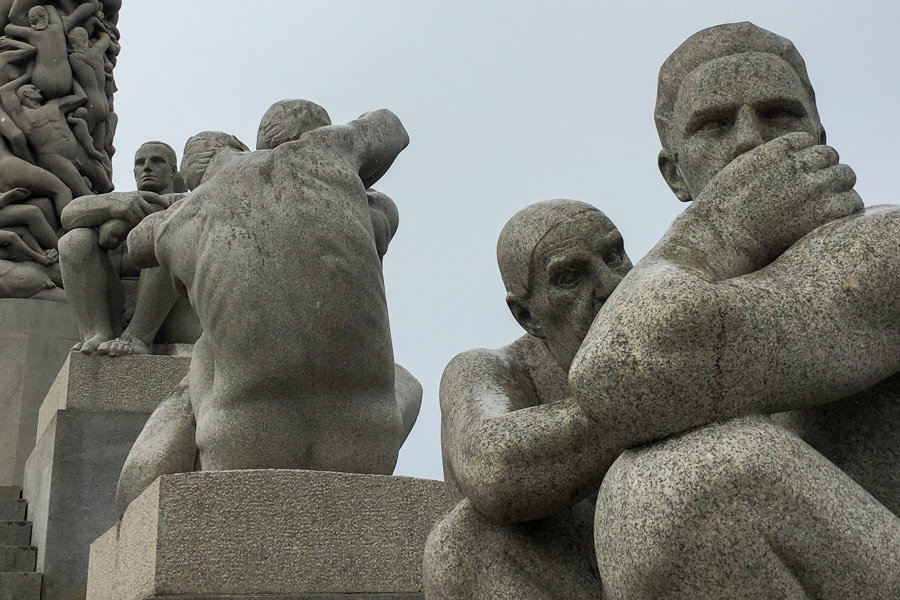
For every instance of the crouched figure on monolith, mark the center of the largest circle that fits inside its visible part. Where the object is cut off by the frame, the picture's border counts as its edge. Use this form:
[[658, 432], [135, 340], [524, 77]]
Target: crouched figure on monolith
[[277, 252]]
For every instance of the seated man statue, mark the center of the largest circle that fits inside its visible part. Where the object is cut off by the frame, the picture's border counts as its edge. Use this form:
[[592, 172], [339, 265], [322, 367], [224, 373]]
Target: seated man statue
[[277, 253], [92, 262], [775, 290], [515, 444]]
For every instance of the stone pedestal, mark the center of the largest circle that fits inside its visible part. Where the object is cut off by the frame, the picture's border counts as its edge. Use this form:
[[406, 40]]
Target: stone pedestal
[[90, 418], [264, 534], [35, 337]]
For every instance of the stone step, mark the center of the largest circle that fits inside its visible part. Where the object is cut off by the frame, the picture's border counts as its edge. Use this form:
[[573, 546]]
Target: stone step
[[15, 533], [12, 509], [10, 491], [20, 586], [17, 559]]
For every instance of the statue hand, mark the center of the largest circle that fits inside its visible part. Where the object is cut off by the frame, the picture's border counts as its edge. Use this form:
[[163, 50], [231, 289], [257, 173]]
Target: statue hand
[[771, 196], [132, 207], [112, 233]]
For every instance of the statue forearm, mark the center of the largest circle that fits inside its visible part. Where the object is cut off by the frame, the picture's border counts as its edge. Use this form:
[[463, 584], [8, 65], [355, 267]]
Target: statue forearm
[[671, 351]]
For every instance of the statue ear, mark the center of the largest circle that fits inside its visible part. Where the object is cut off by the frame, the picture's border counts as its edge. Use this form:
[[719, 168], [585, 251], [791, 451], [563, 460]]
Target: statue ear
[[669, 169], [520, 312]]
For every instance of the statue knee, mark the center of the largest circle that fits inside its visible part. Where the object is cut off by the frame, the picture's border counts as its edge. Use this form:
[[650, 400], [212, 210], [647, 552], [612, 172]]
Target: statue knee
[[448, 562], [658, 500], [80, 241]]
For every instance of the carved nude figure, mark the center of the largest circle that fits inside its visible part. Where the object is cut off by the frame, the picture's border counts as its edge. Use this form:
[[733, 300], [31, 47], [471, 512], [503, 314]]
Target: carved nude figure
[[775, 290], [515, 444], [86, 60], [315, 387], [47, 131], [98, 224], [46, 31], [16, 173]]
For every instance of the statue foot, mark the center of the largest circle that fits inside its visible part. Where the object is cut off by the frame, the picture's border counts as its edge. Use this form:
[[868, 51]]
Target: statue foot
[[123, 346], [90, 345]]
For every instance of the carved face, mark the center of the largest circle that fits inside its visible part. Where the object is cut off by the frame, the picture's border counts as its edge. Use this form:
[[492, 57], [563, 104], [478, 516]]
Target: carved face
[[38, 18], [575, 267], [730, 105], [30, 94], [152, 170]]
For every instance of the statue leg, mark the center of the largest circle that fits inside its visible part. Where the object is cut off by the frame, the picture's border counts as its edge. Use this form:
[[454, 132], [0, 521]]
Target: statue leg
[[470, 557], [155, 298], [17, 173], [165, 446], [92, 287], [408, 391], [63, 168], [742, 509], [33, 218]]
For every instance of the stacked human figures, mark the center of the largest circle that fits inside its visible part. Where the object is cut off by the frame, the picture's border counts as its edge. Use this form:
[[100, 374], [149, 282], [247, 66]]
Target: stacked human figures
[[56, 128]]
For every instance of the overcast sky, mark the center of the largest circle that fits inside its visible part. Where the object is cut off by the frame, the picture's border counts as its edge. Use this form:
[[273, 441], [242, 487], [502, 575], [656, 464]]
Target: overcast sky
[[506, 103]]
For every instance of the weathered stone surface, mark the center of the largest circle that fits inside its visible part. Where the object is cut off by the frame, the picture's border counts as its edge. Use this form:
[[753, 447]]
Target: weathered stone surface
[[20, 586], [269, 534], [17, 559], [93, 414], [35, 338], [12, 509], [317, 387], [15, 533], [124, 384]]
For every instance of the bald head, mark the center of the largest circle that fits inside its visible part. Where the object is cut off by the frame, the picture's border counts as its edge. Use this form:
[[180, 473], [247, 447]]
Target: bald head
[[713, 43], [523, 233], [201, 150], [287, 120]]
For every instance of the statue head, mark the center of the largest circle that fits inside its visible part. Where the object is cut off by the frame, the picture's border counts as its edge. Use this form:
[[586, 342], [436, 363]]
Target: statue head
[[30, 95], [38, 18], [560, 260], [78, 40], [202, 150], [724, 91], [288, 120], [155, 167]]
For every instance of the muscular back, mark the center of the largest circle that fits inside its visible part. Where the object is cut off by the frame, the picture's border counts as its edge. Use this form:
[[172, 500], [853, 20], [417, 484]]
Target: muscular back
[[278, 257]]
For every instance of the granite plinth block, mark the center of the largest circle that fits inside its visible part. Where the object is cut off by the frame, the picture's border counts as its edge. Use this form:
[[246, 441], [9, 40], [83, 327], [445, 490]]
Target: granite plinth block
[[93, 413], [20, 586], [36, 336], [261, 534]]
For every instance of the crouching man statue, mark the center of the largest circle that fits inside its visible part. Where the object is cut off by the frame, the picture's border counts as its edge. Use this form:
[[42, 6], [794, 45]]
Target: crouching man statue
[[277, 253]]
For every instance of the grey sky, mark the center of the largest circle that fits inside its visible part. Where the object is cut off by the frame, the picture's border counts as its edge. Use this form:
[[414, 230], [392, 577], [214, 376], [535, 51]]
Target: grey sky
[[506, 103]]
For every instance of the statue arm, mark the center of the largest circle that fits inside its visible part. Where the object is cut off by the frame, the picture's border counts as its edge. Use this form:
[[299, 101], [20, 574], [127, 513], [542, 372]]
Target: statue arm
[[18, 12], [142, 239], [73, 101], [94, 211], [19, 31], [377, 138], [81, 14], [11, 102], [515, 461], [674, 349]]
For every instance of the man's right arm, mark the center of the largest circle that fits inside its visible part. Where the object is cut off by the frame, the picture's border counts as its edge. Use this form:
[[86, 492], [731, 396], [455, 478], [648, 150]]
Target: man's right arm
[[514, 460], [706, 327]]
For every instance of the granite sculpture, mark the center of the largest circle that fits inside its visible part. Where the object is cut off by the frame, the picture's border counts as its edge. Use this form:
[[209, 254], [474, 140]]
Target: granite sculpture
[[94, 261], [519, 453], [56, 126], [279, 255], [774, 291]]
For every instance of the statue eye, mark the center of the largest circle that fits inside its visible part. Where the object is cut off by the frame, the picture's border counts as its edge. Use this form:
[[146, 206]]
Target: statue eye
[[612, 257], [566, 277], [715, 125]]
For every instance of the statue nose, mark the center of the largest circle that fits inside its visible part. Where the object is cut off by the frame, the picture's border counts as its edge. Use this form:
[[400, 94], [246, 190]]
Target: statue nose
[[747, 131]]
